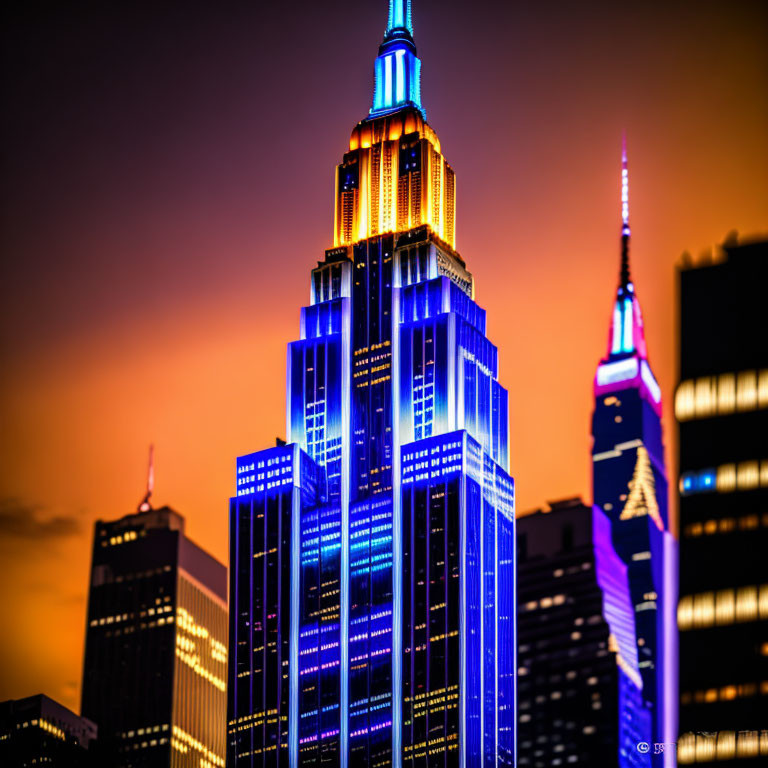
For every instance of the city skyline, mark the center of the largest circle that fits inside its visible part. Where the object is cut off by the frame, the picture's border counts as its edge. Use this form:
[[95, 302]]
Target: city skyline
[[157, 354]]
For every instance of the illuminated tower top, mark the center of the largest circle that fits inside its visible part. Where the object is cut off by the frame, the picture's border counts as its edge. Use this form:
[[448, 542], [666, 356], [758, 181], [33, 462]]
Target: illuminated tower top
[[627, 336], [399, 16], [397, 71], [394, 177], [626, 363]]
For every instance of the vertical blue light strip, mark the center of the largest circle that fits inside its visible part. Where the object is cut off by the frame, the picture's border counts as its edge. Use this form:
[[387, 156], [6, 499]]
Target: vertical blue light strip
[[616, 343], [481, 577], [346, 439], [396, 14], [463, 609], [628, 326], [514, 620], [415, 81], [388, 81], [397, 533], [293, 654], [378, 93], [496, 513], [670, 645], [400, 76]]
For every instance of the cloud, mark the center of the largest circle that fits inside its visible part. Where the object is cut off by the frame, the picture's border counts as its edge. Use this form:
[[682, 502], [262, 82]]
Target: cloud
[[21, 521]]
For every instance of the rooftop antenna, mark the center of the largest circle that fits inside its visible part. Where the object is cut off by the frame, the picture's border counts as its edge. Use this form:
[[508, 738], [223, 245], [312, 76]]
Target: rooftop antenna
[[625, 231], [145, 506]]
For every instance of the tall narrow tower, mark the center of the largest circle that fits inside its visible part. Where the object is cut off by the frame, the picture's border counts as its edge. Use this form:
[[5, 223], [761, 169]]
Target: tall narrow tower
[[630, 487], [373, 556]]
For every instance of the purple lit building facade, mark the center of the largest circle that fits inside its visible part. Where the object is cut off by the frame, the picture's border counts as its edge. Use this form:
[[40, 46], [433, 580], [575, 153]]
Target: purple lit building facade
[[573, 598], [630, 488]]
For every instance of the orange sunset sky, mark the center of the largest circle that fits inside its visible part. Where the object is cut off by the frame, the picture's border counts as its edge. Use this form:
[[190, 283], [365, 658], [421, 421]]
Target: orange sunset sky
[[167, 188]]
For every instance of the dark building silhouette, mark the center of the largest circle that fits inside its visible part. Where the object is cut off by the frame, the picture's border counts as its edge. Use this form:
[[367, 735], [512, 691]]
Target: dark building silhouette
[[39, 731], [573, 606], [155, 669], [722, 408]]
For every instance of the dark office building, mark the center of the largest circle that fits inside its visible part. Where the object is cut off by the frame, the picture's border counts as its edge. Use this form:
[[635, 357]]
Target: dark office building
[[722, 409], [156, 645], [575, 635], [39, 731]]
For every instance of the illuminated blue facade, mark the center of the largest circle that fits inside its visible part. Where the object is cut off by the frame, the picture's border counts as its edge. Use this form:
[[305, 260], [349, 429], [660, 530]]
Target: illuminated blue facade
[[397, 71], [630, 488], [372, 567]]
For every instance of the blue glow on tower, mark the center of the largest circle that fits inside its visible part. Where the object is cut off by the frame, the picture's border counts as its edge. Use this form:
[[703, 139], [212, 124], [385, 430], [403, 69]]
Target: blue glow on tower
[[373, 556], [397, 71]]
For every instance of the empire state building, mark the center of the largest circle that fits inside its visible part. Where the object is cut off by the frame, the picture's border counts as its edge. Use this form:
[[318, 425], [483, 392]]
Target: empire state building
[[372, 576]]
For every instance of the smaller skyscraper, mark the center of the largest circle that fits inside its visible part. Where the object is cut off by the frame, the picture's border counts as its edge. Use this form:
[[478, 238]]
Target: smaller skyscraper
[[579, 702], [629, 484], [155, 670], [39, 731], [721, 405], [276, 491]]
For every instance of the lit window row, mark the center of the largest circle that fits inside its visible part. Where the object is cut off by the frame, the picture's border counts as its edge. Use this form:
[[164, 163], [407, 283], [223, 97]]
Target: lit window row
[[721, 395], [187, 623], [571, 570], [127, 536], [50, 728], [726, 525], [721, 745], [142, 731], [193, 662], [726, 693], [183, 742], [131, 628], [145, 744], [261, 464], [545, 602], [728, 606], [745, 476], [126, 616]]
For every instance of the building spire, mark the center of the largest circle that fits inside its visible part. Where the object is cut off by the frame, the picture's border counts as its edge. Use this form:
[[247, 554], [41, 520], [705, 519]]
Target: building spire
[[624, 278], [145, 506], [399, 16], [397, 72], [626, 335]]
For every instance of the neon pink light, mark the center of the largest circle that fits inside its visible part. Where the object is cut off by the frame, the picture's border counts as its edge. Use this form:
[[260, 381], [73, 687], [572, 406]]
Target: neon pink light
[[624, 186]]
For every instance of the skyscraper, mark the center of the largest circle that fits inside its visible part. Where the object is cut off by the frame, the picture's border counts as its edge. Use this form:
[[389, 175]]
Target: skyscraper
[[40, 731], [630, 487], [155, 670], [571, 589], [722, 408], [373, 556]]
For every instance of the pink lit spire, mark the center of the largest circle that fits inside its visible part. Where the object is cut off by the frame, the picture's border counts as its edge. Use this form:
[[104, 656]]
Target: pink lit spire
[[145, 506], [625, 231], [626, 336], [626, 364]]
